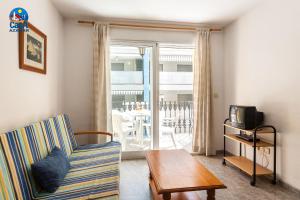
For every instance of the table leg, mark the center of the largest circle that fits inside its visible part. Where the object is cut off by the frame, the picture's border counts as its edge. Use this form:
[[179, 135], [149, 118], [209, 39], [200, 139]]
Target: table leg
[[211, 194], [140, 129], [166, 196]]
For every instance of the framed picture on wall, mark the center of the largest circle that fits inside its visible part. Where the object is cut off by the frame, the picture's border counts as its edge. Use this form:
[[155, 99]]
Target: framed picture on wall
[[33, 50]]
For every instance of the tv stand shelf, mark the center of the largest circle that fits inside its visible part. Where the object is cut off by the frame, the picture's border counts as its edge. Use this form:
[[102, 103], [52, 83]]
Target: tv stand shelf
[[248, 166], [260, 143], [261, 130]]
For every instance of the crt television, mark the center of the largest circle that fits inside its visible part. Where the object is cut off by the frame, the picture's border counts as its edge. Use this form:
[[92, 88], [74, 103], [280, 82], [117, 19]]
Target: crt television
[[245, 117]]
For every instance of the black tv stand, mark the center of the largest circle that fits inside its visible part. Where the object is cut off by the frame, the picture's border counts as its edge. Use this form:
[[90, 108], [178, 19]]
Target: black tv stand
[[250, 167]]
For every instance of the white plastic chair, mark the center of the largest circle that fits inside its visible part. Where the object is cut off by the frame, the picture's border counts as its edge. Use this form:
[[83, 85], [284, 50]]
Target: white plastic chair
[[166, 129], [123, 124]]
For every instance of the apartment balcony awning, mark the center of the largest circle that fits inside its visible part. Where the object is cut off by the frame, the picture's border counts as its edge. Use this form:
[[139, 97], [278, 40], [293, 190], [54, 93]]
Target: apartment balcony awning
[[127, 92]]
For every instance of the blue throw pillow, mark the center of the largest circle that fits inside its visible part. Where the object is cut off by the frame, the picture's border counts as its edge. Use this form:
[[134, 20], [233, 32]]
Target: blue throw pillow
[[50, 172]]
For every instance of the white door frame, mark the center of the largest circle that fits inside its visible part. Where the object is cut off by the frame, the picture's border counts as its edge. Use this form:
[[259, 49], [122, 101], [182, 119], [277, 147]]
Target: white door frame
[[154, 95]]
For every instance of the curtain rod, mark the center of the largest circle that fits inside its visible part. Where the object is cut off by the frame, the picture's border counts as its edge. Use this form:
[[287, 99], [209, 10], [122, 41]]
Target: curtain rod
[[149, 26]]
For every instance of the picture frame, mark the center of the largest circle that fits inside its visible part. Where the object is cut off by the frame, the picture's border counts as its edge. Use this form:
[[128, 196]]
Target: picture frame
[[33, 50]]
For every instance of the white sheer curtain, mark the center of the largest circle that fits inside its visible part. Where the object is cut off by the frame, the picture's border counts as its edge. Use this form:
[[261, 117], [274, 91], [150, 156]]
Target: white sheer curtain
[[101, 80], [202, 94]]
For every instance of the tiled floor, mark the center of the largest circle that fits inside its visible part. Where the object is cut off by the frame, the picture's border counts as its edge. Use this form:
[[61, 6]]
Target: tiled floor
[[134, 183]]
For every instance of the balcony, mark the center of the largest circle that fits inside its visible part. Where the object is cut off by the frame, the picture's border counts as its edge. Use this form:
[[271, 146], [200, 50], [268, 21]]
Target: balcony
[[132, 125], [133, 80], [127, 77], [176, 78]]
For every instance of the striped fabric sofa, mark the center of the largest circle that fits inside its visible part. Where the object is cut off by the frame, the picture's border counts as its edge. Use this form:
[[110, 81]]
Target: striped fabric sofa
[[94, 172]]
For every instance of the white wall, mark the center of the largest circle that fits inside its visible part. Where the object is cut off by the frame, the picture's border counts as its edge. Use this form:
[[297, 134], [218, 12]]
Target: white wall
[[78, 69], [26, 96], [262, 68], [78, 65]]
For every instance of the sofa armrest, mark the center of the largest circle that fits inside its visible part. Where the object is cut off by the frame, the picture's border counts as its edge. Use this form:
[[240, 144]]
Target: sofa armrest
[[94, 133]]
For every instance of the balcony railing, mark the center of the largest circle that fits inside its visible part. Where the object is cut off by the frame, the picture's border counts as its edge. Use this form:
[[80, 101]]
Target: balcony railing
[[173, 114], [180, 113]]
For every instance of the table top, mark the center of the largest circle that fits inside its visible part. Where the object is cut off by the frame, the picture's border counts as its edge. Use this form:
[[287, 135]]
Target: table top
[[178, 171], [142, 112]]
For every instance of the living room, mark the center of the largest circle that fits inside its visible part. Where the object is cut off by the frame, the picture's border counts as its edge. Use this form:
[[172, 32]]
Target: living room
[[141, 100]]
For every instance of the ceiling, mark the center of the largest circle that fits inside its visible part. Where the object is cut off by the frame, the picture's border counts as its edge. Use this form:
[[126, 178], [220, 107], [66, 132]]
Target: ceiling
[[212, 12]]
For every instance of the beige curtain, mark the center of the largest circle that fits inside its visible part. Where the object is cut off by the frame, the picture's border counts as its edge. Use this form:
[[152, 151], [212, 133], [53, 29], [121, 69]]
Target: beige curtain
[[202, 94], [101, 81]]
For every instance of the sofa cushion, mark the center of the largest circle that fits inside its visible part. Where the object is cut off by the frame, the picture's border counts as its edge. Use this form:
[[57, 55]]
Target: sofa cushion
[[66, 121], [94, 174], [88, 156], [50, 171], [22, 147], [58, 133], [87, 184], [97, 146], [6, 183]]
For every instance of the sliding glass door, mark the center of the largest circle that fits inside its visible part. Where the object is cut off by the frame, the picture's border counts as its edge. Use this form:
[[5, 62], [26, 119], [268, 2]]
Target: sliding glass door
[[131, 96], [151, 91], [175, 97]]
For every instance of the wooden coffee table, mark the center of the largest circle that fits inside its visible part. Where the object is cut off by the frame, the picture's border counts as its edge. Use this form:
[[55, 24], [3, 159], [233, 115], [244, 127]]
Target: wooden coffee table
[[176, 174]]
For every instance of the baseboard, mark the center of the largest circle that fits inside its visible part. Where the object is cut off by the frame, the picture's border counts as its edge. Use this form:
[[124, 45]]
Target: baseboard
[[289, 187], [221, 153]]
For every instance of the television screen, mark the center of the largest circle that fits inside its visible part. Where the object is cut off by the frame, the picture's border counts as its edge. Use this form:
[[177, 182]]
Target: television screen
[[237, 115], [245, 117]]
